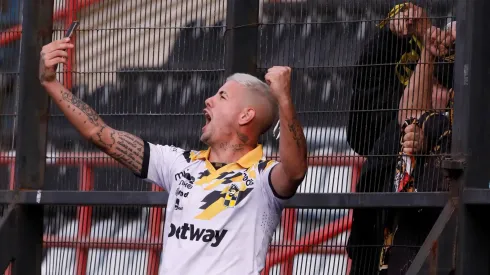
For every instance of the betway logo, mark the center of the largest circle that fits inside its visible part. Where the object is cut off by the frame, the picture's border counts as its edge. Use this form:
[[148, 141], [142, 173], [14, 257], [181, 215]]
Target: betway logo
[[188, 231]]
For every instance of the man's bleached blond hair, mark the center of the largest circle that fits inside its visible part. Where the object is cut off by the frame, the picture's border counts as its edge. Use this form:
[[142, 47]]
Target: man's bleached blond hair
[[261, 90]]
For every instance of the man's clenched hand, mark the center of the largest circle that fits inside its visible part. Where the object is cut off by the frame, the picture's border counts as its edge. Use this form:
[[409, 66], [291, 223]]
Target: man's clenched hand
[[441, 40], [51, 55], [279, 80], [413, 140]]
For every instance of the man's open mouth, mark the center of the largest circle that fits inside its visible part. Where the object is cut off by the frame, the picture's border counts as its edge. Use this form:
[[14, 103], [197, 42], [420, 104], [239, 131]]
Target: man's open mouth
[[207, 116]]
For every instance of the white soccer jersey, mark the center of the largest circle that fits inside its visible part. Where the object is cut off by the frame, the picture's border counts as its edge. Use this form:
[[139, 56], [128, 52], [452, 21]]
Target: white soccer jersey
[[217, 221]]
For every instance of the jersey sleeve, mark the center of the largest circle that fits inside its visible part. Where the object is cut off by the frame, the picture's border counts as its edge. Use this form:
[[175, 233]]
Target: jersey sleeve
[[273, 199], [158, 161]]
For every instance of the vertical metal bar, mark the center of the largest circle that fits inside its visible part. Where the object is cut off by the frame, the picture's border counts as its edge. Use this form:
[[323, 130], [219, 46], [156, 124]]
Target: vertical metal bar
[[37, 27], [84, 219], [289, 237], [33, 100], [242, 19], [470, 132], [8, 271], [349, 264], [155, 221], [72, 7], [8, 224], [12, 175], [29, 240], [356, 173]]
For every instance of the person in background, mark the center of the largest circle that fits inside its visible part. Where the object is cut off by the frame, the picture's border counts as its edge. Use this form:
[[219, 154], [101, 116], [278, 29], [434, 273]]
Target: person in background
[[372, 132], [388, 62], [425, 119]]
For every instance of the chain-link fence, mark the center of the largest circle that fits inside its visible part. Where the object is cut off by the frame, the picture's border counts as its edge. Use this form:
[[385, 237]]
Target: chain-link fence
[[147, 67]]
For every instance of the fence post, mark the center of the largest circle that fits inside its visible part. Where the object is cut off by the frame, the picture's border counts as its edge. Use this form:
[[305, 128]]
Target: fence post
[[155, 218], [471, 132], [242, 19], [30, 162]]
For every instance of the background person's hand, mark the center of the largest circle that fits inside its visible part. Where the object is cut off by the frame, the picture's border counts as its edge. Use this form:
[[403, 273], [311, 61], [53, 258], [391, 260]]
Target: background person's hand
[[413, 140], [53, 54], [441, 41]]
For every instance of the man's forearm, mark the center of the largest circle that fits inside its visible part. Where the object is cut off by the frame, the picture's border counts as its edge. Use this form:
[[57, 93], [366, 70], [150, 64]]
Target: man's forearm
[[80, 115], [123, 147], [292, 144], [417, 97]]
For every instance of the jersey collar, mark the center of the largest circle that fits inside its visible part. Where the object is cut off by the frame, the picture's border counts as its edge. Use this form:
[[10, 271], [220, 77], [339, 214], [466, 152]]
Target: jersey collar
[[247, 161]]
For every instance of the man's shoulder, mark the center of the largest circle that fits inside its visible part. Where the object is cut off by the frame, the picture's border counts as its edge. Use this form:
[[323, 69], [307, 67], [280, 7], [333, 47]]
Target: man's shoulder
[[265, 164], [177, 152]]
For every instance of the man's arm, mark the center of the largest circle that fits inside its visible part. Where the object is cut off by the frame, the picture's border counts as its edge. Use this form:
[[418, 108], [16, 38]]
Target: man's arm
[[417, 96], [123, 147], [289, 173], [376, 92]]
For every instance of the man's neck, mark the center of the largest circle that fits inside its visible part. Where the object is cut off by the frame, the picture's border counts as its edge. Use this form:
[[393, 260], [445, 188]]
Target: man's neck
[[229, 152]]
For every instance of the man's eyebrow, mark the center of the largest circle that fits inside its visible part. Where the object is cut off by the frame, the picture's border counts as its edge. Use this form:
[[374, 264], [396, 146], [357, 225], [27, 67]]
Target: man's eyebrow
[[223, 93]]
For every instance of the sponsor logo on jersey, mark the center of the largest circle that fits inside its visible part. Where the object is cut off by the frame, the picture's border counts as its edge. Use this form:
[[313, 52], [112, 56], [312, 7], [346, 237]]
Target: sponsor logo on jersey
[[177, 204], [231, 196], [189, 231], [186, 180], [184, 175], [180, 193]]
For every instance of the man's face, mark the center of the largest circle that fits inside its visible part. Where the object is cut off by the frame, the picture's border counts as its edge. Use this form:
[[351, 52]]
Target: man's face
[[222, 112]]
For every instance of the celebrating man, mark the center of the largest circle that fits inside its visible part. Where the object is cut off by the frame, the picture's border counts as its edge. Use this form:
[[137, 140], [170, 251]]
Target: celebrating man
[[225, 202]]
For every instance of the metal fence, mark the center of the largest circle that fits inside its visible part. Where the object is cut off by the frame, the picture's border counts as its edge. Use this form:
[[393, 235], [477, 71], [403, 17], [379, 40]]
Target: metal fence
[[147, 66]]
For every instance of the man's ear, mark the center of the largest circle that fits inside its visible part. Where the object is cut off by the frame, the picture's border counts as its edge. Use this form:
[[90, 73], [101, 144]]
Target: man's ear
[[246, 116]]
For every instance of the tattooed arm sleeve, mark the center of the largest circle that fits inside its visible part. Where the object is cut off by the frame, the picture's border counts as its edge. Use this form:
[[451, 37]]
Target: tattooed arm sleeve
[[127, 149]]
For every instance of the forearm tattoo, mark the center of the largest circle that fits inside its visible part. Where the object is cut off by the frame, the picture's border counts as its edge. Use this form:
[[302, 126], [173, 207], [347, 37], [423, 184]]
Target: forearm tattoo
[[123, 147], [76, 103], [295, 129], [98, 139]]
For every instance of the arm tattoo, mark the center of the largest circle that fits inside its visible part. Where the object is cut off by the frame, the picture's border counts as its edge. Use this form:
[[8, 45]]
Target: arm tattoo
[[123, 147], [99, 142], [294, 128], [92, 116]]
